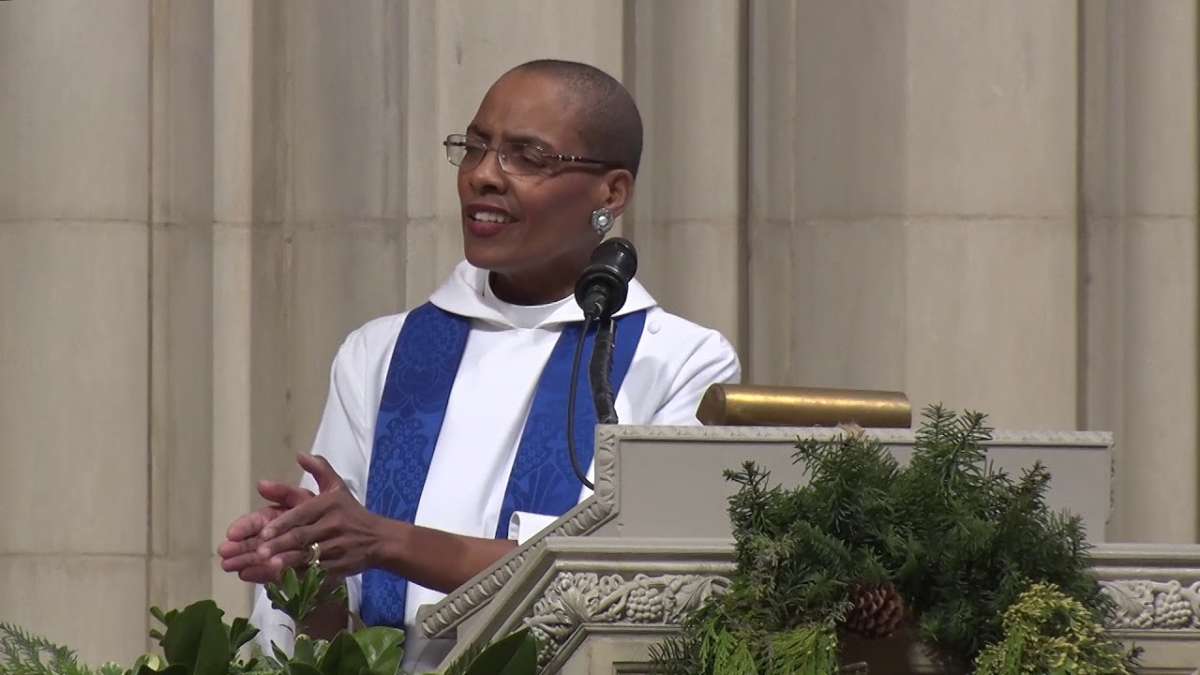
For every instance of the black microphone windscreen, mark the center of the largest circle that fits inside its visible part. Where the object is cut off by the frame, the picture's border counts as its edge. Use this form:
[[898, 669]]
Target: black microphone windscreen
[[602, 287], [617, 254]]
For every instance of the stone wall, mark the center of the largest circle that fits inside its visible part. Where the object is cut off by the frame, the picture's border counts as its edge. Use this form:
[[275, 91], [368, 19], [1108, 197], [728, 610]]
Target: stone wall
[[989, 204]]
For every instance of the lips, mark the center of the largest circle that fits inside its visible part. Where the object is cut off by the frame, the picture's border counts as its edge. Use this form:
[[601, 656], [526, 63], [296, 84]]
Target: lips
[[486, 220]]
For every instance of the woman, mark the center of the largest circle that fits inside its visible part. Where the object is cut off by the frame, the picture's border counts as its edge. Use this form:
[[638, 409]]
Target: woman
[[437, 453]]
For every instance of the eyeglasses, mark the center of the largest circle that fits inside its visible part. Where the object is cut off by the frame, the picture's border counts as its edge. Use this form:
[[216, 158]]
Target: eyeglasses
[[517, 158]]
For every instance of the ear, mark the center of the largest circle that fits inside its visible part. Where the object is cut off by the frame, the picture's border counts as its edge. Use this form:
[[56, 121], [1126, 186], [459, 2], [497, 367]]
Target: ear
[[617, 190]]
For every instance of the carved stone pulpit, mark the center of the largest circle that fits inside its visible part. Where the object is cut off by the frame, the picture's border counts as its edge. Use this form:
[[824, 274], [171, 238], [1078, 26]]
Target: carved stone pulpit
[[617, 573]]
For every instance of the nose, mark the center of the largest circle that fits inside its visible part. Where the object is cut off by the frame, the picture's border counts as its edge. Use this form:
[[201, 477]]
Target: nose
[[487, 176]]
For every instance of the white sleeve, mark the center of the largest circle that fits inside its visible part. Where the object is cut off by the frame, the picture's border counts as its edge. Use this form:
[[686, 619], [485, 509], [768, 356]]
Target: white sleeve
[[342, 439], [712, 361], [344, 435]]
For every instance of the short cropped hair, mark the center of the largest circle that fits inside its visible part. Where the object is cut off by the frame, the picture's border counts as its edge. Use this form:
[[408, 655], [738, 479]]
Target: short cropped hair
[[611, 125]]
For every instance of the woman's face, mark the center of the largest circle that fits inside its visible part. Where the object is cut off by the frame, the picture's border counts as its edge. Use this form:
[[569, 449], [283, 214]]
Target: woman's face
[[533, 231]]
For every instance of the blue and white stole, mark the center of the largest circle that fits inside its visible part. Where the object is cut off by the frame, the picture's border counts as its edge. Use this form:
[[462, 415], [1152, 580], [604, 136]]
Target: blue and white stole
[[421, 374]]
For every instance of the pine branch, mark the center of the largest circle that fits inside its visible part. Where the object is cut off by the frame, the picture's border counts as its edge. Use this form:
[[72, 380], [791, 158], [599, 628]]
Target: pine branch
[[28, 654], [958, 539]]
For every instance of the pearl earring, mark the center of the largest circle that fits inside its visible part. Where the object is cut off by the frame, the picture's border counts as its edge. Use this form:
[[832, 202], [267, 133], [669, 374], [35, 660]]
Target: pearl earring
[[602, 220]]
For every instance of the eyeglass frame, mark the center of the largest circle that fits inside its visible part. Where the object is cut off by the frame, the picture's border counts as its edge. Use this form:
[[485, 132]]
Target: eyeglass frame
[[460, 141]]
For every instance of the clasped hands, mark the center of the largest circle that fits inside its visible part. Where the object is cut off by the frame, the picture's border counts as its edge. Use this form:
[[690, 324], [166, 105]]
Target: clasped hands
[[260, 545]]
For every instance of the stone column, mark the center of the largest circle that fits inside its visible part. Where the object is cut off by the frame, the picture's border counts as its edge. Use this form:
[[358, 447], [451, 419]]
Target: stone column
[[181, 309], [1140, 250], [685, 64], [913, 202], [75, 366], [234, 167], [310, 207]]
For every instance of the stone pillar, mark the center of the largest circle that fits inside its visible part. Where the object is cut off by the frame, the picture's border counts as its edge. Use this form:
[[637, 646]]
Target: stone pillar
[[234, 168], [343, 190], [827, 170], [310, 207], [75, 365], [1140, 250], [991, 209], [685, 66], [181, 309], [913, 203]]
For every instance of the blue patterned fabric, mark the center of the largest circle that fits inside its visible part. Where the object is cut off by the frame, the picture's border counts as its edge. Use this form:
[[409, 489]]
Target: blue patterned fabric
[[416, 391], [419, 379], [542, 480]]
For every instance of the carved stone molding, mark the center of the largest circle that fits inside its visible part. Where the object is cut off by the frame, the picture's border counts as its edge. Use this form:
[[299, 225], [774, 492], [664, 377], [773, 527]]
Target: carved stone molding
[[577, 598], [1154, 587], [1145, 604]]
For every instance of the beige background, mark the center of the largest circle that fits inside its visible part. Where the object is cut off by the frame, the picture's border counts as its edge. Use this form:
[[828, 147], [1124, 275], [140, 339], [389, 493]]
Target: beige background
[[992, 204]]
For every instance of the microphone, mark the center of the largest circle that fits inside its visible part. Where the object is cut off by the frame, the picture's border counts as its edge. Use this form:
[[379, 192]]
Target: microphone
[[602, 287], [600, 292]]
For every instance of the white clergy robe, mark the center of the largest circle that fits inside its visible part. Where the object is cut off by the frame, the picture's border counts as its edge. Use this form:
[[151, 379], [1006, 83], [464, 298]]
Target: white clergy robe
[[506, 349]]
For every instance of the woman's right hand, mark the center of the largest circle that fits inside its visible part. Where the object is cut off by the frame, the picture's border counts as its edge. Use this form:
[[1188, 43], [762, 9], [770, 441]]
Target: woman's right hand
[[239, 551]]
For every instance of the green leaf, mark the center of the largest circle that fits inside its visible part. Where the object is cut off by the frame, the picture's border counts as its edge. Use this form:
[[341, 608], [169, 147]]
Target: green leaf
[[297, 668], [291, 584], [304, 651], [298, 596], [383, 648], [524, 662], [311, 583], [344, 657], [165, 618], [515, 654], [197, 639], [240, 633]]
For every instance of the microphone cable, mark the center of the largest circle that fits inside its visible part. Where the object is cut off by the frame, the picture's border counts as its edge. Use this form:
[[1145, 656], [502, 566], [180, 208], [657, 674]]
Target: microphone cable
[[579, 472]]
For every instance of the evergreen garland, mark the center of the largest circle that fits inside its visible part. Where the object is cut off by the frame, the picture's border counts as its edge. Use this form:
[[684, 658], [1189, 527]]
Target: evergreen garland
[[960, 541]]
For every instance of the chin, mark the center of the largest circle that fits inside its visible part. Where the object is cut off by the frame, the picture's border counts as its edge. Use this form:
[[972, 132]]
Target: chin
[[485, 256]]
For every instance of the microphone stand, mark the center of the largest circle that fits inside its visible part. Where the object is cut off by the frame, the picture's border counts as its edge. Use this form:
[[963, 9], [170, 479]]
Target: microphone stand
[[600, 372], [600, 375]]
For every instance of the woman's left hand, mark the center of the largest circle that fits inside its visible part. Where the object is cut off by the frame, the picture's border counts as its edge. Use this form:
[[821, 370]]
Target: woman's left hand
[[345, 532]]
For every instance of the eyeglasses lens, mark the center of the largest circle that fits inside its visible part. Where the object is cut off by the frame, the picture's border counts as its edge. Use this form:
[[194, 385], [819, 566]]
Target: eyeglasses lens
[[455, 153], [519, 159], [522, 159]]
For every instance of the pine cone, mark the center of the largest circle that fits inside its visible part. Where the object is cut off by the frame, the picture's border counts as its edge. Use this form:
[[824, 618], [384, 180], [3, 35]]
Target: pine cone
[[876, 611]]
